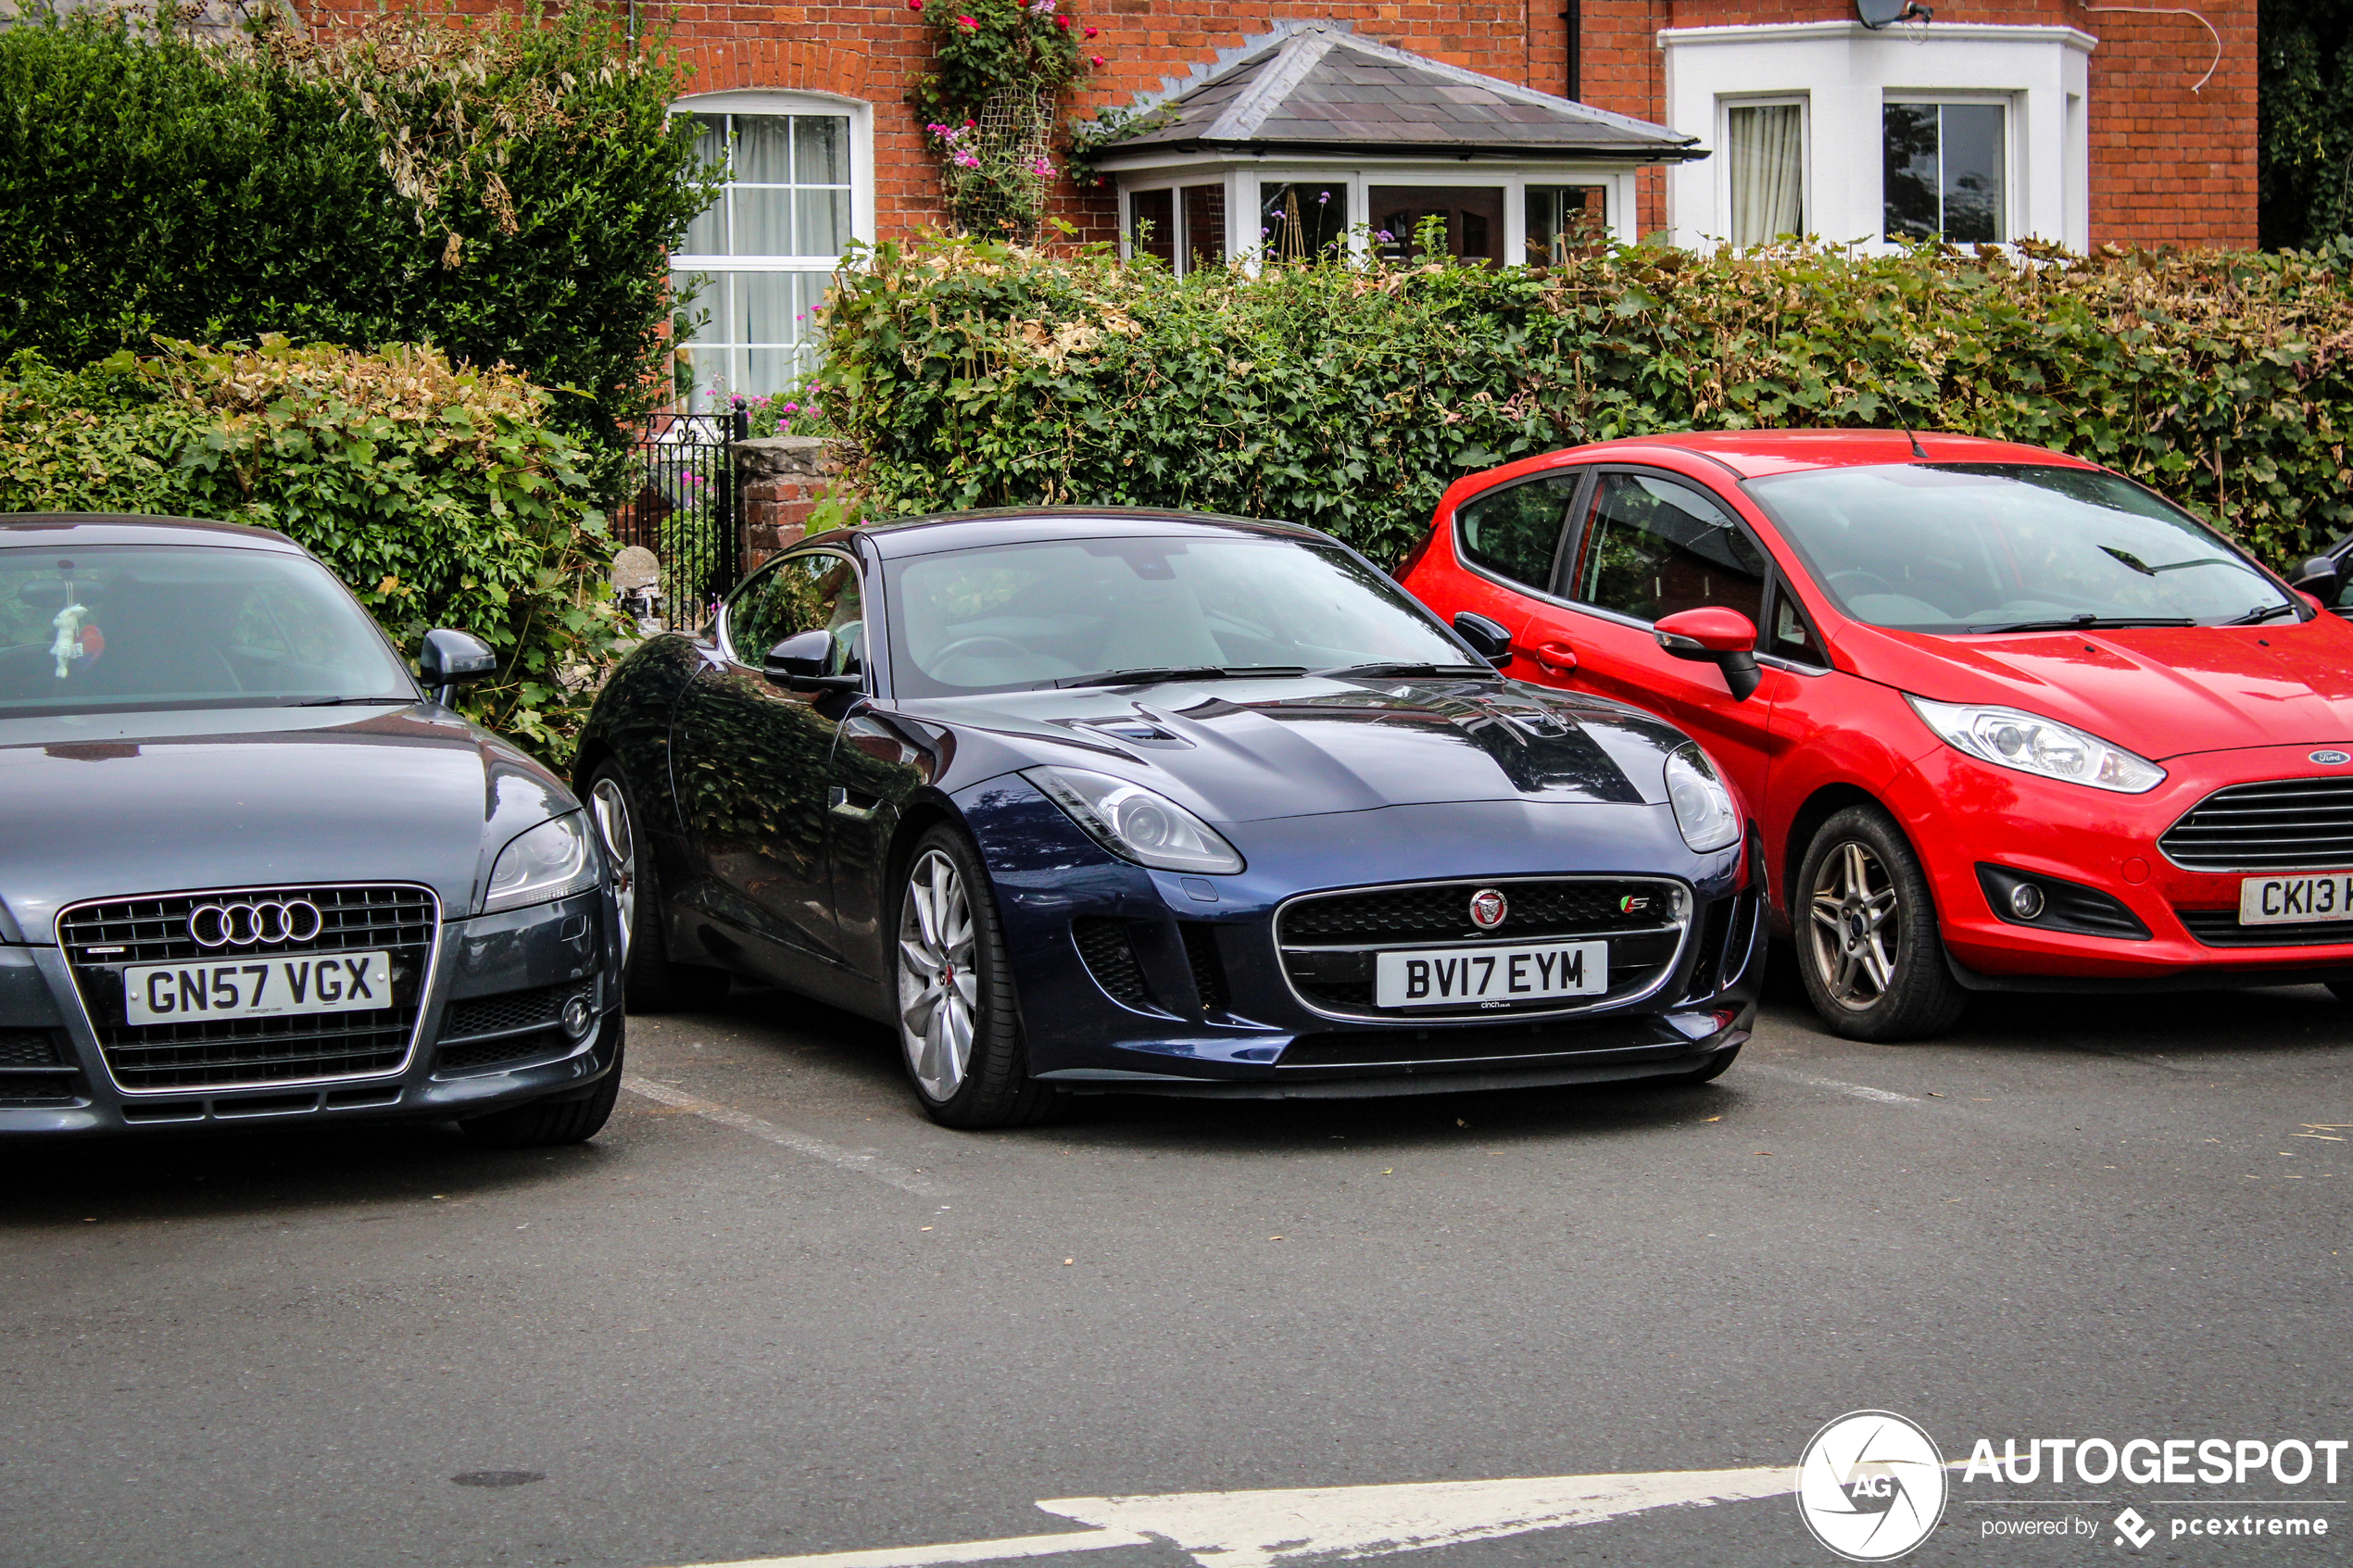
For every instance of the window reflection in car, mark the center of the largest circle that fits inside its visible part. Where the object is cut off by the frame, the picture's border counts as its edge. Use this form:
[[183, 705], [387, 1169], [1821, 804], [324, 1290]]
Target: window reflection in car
[[1962, 547], [1068, 612], [124, 628]]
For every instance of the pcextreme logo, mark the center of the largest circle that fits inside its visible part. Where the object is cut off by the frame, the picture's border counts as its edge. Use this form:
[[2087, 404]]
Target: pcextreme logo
[[1872, 1486]]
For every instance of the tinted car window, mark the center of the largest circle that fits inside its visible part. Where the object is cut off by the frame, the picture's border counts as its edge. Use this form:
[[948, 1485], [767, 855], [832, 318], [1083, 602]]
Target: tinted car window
[[1513, 531], [1028, 615], [124, 627], [1652, 547], [1952, 547], [815, 591]]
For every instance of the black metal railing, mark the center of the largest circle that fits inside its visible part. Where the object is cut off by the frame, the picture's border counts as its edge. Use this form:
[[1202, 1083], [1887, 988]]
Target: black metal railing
[[685, 512]]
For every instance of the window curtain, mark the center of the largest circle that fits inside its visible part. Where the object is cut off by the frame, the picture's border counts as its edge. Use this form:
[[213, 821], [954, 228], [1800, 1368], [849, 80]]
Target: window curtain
[[1766, 160]]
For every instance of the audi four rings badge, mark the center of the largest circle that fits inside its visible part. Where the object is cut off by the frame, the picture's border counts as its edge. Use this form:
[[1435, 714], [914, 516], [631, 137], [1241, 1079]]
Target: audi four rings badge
[[250, 926]]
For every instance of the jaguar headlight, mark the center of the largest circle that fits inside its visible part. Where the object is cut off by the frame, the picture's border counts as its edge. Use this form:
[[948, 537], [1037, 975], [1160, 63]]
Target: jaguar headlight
[[1136, 823], [2008, 738], [1704, 808], [553, 860]]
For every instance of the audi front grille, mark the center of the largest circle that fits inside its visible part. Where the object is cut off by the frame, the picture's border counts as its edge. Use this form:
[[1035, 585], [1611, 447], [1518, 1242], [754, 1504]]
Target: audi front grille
[[2286, 824], [1327, 941], [104, 937]]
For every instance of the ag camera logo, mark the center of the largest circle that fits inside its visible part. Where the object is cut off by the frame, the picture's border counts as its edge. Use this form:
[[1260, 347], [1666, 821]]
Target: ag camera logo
[[1872, 1486]]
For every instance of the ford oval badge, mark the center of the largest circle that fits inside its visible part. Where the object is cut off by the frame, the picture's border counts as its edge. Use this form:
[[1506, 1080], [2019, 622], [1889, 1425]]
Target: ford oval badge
[[2332, 758]]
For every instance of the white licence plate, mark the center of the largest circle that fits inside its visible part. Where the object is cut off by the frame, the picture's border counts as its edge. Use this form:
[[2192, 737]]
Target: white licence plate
[[2295, 901], [257, 987], [1454, 976]]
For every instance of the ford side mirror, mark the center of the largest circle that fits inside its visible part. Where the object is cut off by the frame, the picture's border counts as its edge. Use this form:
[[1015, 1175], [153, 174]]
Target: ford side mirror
[[448, 659], [1487, 639], [1713, 635], [798, 663], [2321, 577]]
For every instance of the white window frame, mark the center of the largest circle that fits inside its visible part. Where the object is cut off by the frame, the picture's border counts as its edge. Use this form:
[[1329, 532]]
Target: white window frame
[[1848, 73], [1244, 180], [1803, 102], [2012, 171], [767, 101]]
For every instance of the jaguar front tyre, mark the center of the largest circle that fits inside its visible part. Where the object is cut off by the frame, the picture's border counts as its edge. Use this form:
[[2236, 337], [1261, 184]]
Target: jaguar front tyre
[[959, 1025]]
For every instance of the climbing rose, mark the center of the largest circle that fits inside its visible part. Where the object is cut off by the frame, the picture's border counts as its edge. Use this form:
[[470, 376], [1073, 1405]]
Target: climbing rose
[[1062, 22], [968, 23], [1091, 31], [1094, 59]]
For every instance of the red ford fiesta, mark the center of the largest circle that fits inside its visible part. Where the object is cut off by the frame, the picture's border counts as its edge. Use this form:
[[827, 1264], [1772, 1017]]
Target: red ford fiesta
[[2007, 720]]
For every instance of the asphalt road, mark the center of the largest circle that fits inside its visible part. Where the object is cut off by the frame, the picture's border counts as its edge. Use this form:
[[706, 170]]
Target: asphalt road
[[773, 1312]]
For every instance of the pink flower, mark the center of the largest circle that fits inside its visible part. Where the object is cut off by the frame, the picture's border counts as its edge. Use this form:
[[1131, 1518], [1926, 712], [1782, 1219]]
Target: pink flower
[[1062, 22], [1094, 59], [968, 23], [790, 408], [1091, 31], [914, 4]]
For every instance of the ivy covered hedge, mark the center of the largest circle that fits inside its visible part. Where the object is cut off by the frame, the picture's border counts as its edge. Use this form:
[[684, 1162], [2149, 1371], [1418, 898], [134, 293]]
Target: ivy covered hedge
[[505, 186], [974, 375], [441, 497]]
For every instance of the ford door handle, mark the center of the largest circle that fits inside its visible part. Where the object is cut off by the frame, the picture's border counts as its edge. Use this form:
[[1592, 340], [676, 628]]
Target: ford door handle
[[1554, 658]]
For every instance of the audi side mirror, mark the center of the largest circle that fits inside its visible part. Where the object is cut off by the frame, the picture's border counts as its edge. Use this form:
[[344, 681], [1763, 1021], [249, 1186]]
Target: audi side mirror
[[1713, 635], [1491, 640], [448, 658], [799, 664]]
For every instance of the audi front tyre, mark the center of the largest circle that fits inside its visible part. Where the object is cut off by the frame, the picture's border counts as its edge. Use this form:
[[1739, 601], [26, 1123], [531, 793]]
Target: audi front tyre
[[649, 980], [959, 1026], [1868, 947]]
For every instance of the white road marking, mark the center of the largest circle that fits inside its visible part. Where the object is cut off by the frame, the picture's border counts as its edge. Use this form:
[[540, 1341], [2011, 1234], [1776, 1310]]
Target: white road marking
[[1309, 1524], [1860, 1091], [963, 1551], [872, 1165]]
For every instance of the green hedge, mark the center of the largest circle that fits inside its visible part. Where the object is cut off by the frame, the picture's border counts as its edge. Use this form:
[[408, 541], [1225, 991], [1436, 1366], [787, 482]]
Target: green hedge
[[442, 497], [1348, 398], [504, 187]]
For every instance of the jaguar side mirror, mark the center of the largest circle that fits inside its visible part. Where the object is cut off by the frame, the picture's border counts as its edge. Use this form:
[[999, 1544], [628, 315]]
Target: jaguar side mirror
[[1489, 639], [1713, 635], [798, 663], [448, 658]]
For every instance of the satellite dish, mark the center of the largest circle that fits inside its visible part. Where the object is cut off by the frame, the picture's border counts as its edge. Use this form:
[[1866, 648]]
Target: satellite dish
[[1877, 14]]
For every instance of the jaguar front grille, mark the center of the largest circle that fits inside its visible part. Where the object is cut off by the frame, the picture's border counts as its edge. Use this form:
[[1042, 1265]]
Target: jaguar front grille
[[104, 937], [1327, 941], [2285, 825]]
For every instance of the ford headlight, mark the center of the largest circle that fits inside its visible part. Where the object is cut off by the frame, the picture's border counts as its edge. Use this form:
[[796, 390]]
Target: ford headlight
[[2008, 738], [1704, 808], [553, 860], [1136, 823]]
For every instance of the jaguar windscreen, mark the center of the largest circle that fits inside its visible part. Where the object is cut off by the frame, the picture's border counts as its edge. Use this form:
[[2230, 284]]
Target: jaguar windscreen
[[1012, 616], [130, 627]]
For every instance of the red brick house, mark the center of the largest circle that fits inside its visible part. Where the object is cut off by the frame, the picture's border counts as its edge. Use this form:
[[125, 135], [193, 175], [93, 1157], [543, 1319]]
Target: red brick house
[[1516, 122]]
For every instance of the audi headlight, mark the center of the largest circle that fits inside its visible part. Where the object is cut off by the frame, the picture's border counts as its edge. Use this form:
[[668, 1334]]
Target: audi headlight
[[1136, 823], [2007, 738], [1704, 808], [553, 860]]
